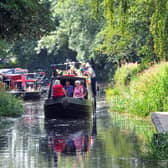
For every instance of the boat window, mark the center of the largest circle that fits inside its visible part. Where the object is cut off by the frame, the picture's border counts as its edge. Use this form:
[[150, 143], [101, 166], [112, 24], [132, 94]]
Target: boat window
[[31, 76], [19, 86], [72, 81], [30, 84]]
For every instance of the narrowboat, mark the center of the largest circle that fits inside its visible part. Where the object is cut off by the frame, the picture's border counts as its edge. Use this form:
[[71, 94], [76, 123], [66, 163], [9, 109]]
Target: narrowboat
[[13, 84], [20, 86], [32, 91], [69, 107]]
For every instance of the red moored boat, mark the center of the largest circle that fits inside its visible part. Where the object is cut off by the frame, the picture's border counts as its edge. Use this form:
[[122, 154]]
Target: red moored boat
[[19, 85]]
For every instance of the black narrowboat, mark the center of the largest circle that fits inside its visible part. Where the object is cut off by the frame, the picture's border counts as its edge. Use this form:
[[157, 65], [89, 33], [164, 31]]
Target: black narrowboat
[[69, 107]]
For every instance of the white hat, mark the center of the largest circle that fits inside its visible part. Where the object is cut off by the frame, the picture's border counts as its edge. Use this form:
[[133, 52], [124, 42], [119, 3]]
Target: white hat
[[77, 82], [57, 82], [87, 65]]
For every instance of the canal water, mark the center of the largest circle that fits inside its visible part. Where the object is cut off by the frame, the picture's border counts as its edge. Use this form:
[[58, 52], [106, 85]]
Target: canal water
[[108, 140]]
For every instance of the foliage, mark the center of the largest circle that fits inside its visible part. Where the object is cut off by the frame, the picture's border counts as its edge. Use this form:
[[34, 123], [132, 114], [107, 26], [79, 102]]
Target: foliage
[[159, 147], [124, 74], [145, 93], [107, 33], [22, 18], [159, 23], [9, 105], [33, 55], [134, 29], [5, 51]]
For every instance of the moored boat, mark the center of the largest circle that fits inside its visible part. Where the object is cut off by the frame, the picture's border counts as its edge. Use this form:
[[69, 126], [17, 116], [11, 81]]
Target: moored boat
[[20, 86], [32, 91]]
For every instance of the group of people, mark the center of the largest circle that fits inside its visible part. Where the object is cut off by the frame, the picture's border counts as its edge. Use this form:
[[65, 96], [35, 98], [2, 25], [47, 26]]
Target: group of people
[[77, 91], [84, 70]]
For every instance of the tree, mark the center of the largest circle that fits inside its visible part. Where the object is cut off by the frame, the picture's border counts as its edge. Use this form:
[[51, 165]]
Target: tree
[[24, 18]]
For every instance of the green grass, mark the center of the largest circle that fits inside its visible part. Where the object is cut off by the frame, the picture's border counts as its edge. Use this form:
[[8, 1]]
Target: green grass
[[147, 91], [9, 105]]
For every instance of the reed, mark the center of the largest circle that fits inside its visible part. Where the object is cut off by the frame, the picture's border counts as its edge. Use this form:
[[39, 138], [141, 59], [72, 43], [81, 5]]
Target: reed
[[146, 92]]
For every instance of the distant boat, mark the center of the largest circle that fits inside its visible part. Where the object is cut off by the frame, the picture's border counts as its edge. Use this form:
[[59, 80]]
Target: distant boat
[[20, 86]]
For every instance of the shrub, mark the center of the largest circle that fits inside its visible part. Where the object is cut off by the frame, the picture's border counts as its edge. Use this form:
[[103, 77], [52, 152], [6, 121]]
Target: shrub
[[124, 74], [146, 93], [9, 105], [158, 147]]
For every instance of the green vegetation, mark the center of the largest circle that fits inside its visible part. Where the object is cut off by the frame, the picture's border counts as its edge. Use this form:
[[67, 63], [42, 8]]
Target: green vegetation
[[23, 19], [123, 75], [159, 147], [146, 92], [108, 33], [9, 105]]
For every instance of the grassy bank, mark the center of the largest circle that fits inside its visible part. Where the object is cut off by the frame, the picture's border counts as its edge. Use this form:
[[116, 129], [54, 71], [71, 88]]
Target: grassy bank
[[139, 92], [9, 105]]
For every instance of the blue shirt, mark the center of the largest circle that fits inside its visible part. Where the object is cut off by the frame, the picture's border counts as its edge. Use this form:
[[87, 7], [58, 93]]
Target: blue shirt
[[69, 90]]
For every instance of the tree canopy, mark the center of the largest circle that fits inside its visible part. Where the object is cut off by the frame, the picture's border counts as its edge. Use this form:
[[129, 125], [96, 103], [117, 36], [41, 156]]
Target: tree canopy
[[106, 32]]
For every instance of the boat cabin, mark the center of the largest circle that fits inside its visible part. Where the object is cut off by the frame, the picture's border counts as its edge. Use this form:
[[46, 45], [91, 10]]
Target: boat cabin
[[10, 80], [72, 80], [31, 85]]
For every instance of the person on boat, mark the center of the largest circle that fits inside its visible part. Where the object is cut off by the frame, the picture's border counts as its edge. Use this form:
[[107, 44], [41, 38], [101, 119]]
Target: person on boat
[[83, 69], [58, 90], [73, 70], [85, 92], [69, 89], [89, 70], [78, 90]]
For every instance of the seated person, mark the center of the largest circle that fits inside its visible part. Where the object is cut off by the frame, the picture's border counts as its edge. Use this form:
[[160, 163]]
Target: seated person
[[69, 89], [78, 90], [85, 92], [58, 90]]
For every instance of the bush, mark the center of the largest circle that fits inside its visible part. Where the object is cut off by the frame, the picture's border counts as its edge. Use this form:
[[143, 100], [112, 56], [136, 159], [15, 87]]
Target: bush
[[9, 105], [146, 93], [124, 74], [158, 147]]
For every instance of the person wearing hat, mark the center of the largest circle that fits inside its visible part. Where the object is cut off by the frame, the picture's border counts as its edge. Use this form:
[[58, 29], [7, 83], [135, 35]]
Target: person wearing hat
[[92, 74], [58, 90], [78, 90]]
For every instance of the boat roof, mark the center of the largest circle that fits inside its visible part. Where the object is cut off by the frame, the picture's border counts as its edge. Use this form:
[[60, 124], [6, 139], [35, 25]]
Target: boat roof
[[29, 80], [11, 75], [34, 73], [72, 77]]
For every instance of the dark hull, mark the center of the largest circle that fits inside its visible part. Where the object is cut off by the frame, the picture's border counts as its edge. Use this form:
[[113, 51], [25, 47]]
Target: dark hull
[[16, 93], [67, 107], [31, 95]]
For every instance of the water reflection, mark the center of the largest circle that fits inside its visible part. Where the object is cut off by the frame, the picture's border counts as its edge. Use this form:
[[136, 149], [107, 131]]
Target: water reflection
[[99, 142], [68, 138]]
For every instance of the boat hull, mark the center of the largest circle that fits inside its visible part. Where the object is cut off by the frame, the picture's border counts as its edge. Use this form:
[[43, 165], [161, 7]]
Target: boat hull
[[67, 107], [31, 95], [16, 93]]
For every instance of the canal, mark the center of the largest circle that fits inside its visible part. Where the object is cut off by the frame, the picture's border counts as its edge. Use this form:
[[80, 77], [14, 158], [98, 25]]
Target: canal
[[108, 140]]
